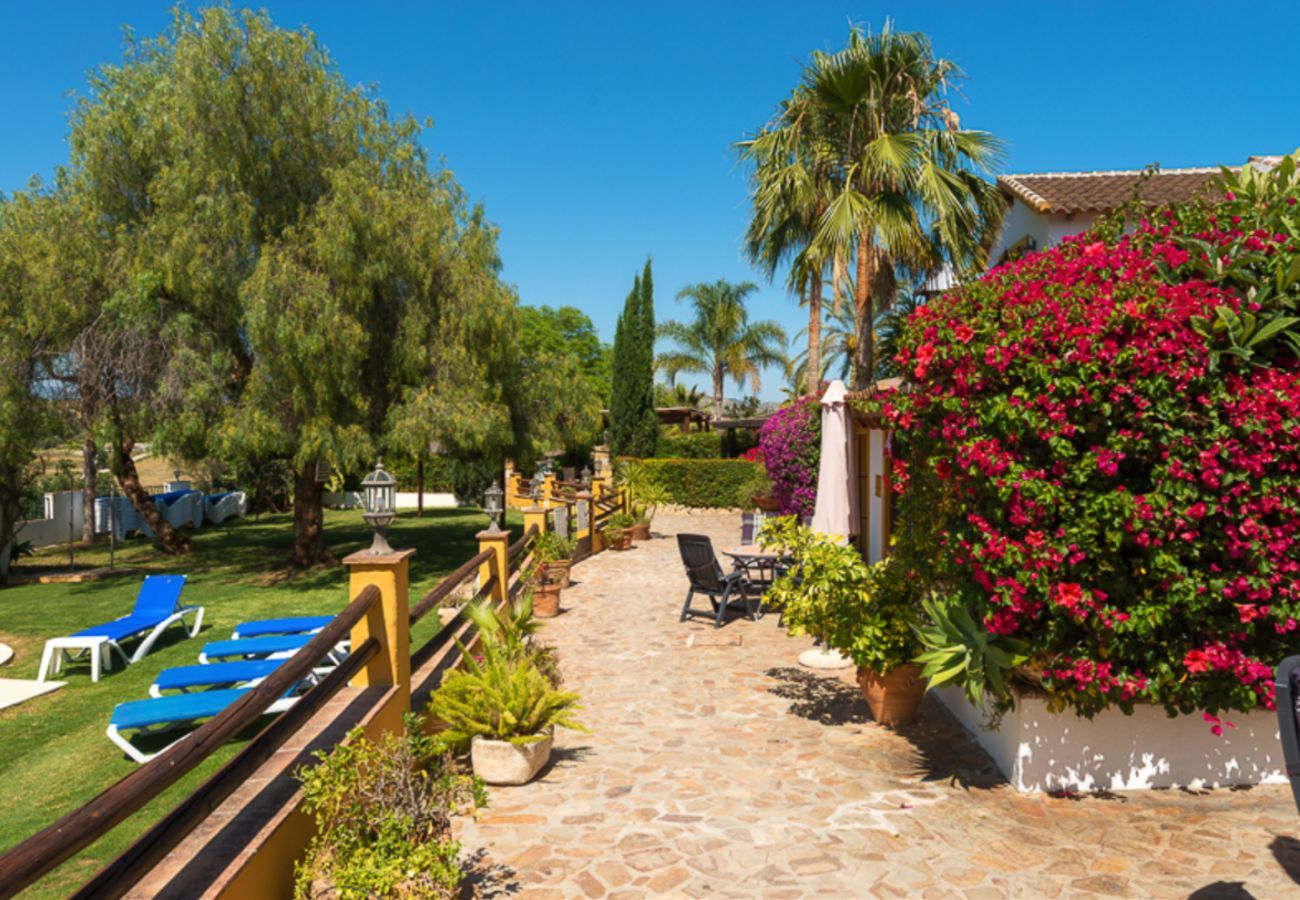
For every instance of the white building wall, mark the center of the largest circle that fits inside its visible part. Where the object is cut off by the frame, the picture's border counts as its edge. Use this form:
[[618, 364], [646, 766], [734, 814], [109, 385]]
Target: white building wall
[[1047, 230]]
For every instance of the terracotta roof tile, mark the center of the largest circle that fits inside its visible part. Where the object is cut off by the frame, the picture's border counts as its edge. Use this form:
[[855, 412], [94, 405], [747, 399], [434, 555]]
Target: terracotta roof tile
[[1076, 192]]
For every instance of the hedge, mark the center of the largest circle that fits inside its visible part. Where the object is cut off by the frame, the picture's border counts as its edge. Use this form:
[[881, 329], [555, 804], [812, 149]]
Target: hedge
[[696, 445], [702, 483]]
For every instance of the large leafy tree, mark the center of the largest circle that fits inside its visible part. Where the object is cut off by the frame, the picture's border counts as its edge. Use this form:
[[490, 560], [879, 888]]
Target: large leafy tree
[[297, 275], [908, 183], [26, 340], [720, 342], [633, 423]]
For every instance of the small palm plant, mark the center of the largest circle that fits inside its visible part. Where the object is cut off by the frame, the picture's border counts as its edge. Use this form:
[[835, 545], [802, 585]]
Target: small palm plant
[[505, 695]]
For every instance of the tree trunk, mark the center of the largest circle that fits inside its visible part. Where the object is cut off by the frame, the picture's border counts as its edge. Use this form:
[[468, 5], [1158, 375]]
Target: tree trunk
[[88, 464], [815, 332], [718, 382], [308, 520], [171, 540], [864, 363]]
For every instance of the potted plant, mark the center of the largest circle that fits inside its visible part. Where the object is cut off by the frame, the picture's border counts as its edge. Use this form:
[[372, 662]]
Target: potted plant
[[647, 496], [383, 813], [867, 613], [504, 706], [618, 531], [756, 492], [554, 555]]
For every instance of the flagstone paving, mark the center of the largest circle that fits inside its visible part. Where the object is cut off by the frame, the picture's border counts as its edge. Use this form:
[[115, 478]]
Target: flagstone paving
[[717, 767]]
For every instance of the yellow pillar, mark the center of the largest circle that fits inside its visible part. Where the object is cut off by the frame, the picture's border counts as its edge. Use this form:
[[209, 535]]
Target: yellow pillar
[[388, 619], [499, 543], [535, 515], [548, 491]]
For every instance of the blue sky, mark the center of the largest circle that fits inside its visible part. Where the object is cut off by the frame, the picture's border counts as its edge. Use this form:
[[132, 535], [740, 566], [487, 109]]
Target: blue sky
[[596, 133]]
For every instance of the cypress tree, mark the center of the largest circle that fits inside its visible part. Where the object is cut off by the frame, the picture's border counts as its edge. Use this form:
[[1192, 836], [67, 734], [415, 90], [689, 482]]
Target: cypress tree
[[644, 419], [626, 336]]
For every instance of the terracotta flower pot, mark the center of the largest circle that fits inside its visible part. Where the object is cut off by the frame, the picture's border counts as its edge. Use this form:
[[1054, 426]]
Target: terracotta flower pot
[[501, 762], [558, 572], [766, 504], [894, 698], [624, 541], [641, 531], [546, 600]]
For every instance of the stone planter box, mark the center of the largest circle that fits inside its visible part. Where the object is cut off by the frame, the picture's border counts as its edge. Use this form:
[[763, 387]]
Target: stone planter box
[[1038, 750]]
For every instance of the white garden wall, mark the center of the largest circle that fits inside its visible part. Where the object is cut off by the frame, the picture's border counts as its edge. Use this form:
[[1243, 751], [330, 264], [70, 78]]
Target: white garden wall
[[402, 499], [54, 528], [1038, 750]]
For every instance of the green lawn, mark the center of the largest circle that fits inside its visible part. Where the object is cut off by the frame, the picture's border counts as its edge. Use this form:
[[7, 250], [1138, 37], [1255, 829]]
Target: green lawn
[[54, 754]]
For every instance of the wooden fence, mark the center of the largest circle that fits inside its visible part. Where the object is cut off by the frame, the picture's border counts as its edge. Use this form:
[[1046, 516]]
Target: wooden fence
[[377, 587]]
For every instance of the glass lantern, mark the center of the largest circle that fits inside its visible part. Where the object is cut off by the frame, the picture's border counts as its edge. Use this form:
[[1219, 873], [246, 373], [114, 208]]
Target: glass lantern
[[586, 477], [492, 505], [380, 503]]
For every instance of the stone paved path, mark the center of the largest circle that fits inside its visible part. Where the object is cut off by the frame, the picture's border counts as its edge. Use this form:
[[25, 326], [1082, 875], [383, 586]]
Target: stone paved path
[[717, 767]]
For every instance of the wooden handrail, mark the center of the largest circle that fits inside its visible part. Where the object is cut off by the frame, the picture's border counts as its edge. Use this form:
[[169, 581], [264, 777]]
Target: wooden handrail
[[443, 589], [56, 843], [522, 542], [115, 879]]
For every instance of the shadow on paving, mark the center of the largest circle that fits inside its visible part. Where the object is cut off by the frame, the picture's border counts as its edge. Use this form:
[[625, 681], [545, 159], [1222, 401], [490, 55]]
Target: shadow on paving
[[484, 878], [944, 752]]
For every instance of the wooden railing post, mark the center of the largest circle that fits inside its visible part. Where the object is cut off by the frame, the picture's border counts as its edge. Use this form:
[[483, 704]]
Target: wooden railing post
[[499, 543], [388, 621]]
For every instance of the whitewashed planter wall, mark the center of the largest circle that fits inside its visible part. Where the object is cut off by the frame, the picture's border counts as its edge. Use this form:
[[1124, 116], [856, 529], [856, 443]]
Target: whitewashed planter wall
[[1039, 750]]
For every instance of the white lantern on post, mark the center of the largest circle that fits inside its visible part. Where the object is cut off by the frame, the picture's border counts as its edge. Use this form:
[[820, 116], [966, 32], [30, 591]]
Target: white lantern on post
[[381, 509]]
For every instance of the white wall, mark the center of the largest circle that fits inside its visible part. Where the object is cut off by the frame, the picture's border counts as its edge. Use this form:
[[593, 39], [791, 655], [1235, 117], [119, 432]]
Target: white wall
[[1038, 750], [1047, 230], [53, 529]]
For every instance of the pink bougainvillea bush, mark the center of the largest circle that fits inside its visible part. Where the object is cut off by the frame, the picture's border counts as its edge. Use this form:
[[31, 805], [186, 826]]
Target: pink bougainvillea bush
[[1111, 469], [790, 443]]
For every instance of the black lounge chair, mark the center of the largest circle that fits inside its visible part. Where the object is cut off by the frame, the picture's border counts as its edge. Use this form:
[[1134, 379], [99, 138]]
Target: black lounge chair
[[1286, 694], [706, 577]]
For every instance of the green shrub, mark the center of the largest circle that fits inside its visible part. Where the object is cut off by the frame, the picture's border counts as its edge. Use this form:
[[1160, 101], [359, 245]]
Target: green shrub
[[383, 818], [701, 483], [696, 445], [507, 695], [551, 547], [864, 611]]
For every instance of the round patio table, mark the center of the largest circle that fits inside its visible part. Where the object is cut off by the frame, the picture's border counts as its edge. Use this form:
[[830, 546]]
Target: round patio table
[[760, 564]]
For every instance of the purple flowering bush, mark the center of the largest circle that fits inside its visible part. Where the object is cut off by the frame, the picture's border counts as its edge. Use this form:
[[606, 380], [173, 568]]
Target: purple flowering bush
[[791, 444]]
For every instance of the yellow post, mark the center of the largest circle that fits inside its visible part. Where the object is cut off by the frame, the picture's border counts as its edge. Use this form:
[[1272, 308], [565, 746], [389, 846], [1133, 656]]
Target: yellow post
[[535, 515], [499, 542], [388, 619], [548, 490]]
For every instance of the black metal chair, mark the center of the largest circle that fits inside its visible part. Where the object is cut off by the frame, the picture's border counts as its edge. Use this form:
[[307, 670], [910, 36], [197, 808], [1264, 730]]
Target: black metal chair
[[706, 577], [1286, 693]]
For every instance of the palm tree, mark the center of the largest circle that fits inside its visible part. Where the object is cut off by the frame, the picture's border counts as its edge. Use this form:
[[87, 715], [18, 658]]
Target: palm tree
[[720, 341], [839, 340], [679, 395], [910, 187], [790, 188]]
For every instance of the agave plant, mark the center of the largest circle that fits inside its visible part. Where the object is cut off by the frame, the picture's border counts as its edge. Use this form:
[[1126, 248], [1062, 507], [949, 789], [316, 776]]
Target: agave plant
[[959, 650]]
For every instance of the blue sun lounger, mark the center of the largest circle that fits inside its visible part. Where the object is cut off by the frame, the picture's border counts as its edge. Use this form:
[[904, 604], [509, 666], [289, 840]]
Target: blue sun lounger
[[258, 647], [245, 672], [157, 607], [167, 713], [290, 625]]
